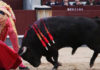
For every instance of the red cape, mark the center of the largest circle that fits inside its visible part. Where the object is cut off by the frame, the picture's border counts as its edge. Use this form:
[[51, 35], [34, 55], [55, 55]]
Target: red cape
[[9, 59]]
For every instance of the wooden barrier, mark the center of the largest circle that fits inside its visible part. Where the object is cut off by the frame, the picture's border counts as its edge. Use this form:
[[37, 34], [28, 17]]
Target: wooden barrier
[[15, 4], [87, 11], [24, 18], [76, 13], [43, 12], [97, 7]]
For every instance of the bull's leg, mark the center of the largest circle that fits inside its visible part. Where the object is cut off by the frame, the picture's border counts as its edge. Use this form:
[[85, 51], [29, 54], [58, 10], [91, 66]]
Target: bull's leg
[[54, 60], [51, 60], [95, 54]]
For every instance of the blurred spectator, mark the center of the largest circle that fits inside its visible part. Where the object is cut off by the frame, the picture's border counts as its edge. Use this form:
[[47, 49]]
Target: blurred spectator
[[77, 2], [65, 3], [90, 2], [52, 2], [97, 2]]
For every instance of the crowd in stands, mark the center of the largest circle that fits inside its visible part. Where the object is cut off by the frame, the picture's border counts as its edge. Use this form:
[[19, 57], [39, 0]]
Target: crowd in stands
[[77, 2]]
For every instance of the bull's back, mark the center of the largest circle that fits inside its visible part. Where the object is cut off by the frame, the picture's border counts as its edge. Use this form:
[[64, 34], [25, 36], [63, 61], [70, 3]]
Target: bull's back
[[71, 30]]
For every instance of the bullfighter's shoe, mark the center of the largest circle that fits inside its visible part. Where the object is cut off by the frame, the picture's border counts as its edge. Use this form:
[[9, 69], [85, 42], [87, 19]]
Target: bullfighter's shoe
[[23, 68]]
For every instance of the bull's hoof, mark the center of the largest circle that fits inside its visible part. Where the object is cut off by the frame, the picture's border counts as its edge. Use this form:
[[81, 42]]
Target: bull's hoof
[[24, 68], [54, 69], [59, 64], [91, 65]]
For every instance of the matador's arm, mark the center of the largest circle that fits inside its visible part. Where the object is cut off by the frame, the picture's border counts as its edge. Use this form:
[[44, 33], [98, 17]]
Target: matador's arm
[[13, 35]]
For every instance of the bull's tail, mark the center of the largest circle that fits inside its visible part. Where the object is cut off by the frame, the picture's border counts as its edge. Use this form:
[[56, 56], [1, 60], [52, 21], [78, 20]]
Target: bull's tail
[[95, 54]]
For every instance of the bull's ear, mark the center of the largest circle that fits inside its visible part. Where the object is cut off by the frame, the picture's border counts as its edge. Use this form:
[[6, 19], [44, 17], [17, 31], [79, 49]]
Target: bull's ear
[[24, 49]]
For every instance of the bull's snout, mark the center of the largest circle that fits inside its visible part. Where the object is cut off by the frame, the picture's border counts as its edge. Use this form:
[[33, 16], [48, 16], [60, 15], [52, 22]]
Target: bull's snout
[[36, 64]]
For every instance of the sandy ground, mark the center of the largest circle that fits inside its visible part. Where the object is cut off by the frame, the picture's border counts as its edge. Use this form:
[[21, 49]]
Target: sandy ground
[[78, 61]]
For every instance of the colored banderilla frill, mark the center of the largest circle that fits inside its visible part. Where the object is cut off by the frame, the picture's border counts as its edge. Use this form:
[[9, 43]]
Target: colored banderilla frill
[[49, 34], [45, 39], [41, 36], [43, 43]]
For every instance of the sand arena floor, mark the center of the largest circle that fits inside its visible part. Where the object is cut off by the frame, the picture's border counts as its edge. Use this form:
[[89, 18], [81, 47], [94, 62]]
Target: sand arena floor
[[79, 61]]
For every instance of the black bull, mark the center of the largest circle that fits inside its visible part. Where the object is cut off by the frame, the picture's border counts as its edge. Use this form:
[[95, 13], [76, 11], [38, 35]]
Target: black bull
[[66, 31]]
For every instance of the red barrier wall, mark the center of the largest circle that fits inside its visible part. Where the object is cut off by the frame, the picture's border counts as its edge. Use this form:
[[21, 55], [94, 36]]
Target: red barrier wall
[[15, 4], [88, 11], [76, 13], [76, 7], [24, 18]]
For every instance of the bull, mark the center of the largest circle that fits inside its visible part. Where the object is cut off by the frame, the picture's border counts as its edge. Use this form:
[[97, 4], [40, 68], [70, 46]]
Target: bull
[[67, 31]]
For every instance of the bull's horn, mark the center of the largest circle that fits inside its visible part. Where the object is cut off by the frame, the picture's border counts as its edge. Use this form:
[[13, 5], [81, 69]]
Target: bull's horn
[[24, 50]]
